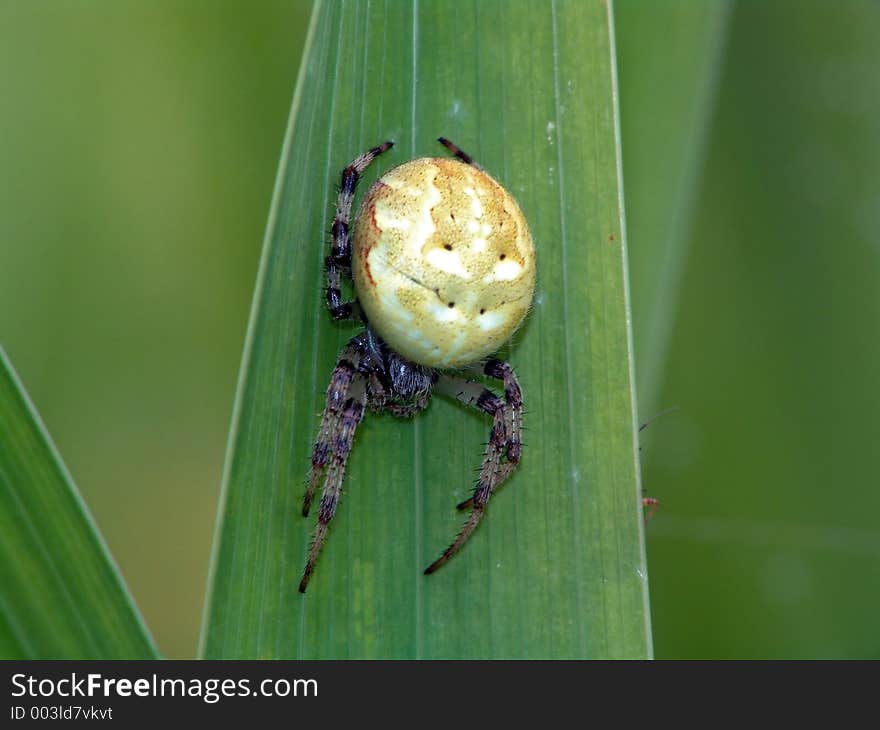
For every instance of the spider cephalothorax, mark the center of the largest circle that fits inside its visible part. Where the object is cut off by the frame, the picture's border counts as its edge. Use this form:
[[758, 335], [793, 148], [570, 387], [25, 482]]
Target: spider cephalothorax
[[444, 270]]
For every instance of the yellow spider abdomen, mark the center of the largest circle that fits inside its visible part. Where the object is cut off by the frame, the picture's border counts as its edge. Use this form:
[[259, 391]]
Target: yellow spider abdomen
[[443, 262]]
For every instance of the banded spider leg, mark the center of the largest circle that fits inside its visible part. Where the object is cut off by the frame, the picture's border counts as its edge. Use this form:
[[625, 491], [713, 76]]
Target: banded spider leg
[[346, 402], [339, 260], [503, 449]]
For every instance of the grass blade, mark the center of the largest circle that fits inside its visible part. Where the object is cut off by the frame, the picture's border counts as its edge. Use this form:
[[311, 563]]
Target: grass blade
[[61, 596], [667, 109], [557, 569]]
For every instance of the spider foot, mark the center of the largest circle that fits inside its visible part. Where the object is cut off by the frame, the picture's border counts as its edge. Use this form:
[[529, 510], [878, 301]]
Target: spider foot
[[384, 147], [457, 151], [472, 521]]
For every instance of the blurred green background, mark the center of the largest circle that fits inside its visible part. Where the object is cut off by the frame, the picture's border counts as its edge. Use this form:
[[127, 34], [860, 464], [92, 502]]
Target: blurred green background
[[138, 147]]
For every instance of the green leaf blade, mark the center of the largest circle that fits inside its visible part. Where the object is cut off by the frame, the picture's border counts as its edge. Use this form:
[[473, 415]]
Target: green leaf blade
[[61, 596], [557, 567]]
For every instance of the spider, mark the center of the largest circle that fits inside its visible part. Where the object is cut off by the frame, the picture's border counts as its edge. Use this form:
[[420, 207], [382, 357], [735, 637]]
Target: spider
[[443, 267]]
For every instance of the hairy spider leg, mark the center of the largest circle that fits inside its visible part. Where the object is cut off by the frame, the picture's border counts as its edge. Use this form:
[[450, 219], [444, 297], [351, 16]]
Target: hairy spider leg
[[339, 260], [503, 449], [514, 412], [346, 402], [337, 392], [458, 152]]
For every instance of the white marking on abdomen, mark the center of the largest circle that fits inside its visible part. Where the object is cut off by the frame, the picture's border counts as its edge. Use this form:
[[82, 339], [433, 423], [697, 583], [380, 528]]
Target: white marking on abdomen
[[491, 320], [507, 270], [448, 261]]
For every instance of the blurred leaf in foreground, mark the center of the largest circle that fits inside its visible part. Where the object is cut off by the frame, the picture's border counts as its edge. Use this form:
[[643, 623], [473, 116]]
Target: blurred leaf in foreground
[[61, 596]]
